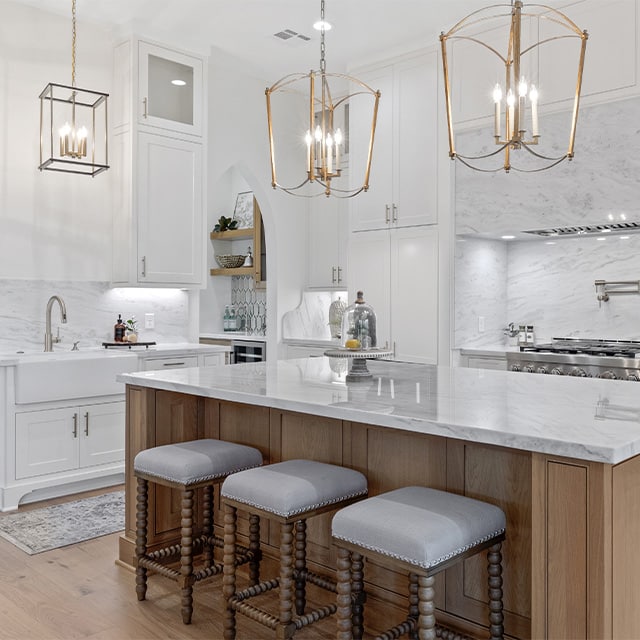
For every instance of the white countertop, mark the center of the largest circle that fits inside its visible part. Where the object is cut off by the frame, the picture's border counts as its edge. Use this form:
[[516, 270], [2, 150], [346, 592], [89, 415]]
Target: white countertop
[[159, 350], [587, 419]]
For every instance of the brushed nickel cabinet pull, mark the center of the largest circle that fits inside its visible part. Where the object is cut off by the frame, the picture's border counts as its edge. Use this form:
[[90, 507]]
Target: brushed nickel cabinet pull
[[333, 275], [144, 266], [75, 425], [386, 213], [339, 275], [145, 113], [173, 364], [394, 217], [86, 423]]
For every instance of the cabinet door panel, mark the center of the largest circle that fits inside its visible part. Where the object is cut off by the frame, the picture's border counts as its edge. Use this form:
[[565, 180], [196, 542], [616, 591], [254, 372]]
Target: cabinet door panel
[[414, 298], [415, 157], [368, 209], [369, 269], [170, 210], [102, 428], [162, 102], [46, 442]]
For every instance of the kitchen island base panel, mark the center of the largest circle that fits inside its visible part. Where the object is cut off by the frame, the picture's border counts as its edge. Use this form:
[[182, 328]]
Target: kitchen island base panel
[[533, 490]]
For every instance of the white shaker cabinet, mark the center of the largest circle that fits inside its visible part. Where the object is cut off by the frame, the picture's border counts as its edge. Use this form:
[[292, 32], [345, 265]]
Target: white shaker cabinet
[[327, 243], [397, 270], [403, 178], [56, 440], [159, 164]]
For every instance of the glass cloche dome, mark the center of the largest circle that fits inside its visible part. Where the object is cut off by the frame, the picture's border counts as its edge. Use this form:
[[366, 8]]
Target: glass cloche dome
[[359, 325]]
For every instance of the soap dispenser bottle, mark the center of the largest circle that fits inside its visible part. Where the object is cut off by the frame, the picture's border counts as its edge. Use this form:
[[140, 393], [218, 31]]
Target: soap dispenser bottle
[[119, 330]]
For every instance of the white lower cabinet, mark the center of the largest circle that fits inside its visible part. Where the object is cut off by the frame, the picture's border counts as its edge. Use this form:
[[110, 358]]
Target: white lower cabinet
[[397, 270], [56, 440]]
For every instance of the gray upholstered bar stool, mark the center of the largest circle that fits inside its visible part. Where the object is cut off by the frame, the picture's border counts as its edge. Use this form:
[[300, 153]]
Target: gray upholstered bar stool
[[287, 493], [418, 530], [187, 466]]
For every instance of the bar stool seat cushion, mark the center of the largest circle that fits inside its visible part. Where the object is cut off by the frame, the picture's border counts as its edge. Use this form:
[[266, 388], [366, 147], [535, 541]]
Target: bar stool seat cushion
[[421, 526], [196, 461], [295, 486]]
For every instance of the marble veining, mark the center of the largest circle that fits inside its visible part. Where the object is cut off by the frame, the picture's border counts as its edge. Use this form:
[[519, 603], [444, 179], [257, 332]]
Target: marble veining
[[310, 319], [92, 310], [587, 419]]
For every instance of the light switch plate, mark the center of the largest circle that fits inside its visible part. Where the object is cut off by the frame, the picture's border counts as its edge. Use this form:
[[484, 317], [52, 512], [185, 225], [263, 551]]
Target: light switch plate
[[149, 320]]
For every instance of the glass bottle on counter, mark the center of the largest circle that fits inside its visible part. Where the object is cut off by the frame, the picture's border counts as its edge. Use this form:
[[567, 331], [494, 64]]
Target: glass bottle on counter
[[359, 325], [233, 319], [225, 320]]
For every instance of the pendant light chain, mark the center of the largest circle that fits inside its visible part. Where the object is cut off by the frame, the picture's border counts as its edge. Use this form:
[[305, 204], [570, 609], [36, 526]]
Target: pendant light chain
[[322, 49], [73, 43]]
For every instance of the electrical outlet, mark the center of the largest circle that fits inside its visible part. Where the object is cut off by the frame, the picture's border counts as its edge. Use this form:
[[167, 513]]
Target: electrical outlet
[[149, 320], [481, 323]]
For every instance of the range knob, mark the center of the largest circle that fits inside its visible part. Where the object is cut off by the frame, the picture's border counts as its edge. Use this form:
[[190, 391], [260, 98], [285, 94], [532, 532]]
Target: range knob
[[556, 371], [541, 370], [528, 369], [608, 375], [633, 377], [579, 373], [516, 367]]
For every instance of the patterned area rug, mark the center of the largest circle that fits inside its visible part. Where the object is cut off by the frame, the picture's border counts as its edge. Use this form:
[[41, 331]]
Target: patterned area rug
[[60, 525]]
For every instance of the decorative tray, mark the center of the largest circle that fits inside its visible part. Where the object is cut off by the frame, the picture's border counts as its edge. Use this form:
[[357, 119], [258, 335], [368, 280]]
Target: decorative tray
[[146, 345]]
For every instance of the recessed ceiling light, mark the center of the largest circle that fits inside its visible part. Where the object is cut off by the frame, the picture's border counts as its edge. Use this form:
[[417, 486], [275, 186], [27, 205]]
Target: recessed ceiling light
[[322, 24], [178, 83], [507, 237], [624, 237], [549, 242], [600, 239]]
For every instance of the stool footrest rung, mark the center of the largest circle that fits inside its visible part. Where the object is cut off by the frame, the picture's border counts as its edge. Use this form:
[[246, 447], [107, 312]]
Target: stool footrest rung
[[255, 590], [158, 567], [320, 581], [267, 619], [314, 615]]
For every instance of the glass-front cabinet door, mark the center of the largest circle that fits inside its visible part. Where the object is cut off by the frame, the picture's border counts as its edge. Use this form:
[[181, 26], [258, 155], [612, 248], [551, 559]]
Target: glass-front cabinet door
[[170, 89]]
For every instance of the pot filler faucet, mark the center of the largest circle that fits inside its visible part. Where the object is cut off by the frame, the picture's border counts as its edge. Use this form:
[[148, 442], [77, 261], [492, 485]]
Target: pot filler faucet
[[48, 338]]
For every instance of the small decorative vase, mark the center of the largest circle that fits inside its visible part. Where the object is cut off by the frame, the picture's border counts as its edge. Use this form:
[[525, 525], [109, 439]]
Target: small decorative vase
[[132, 337], [336, 311]]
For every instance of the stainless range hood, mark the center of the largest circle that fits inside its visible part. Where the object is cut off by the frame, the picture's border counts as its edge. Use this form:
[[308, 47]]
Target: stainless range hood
[[613, 227]]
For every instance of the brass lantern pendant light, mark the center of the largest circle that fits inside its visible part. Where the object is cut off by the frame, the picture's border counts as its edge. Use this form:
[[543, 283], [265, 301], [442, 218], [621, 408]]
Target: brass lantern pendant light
[[518, 88], [316, 155], [73, 124]]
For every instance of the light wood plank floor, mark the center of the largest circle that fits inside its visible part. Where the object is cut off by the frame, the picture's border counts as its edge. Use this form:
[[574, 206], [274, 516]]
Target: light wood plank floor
[[80, 592]]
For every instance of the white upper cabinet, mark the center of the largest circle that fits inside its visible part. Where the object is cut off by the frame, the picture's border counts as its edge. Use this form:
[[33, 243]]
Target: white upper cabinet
[[170, 89], [159, 164], [403, 177]]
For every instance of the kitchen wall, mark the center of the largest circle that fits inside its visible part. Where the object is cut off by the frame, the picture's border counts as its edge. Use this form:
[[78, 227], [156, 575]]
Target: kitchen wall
[[535, 281], [56, 228]]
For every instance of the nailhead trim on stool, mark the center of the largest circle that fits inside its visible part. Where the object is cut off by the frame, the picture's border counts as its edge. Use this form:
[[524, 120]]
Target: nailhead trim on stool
[[187, 466], [422, 531], [287, 493]]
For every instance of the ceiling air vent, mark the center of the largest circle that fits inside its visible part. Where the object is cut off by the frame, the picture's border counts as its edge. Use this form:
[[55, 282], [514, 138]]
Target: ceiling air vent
[[290, 36], [613, 227]]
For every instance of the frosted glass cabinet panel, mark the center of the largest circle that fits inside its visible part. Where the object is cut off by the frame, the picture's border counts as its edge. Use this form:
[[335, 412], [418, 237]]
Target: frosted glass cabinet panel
[[170, 89]]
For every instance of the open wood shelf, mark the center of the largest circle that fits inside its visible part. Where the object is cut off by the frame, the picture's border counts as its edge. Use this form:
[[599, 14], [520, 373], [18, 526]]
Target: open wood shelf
[[232, 234], [233, 271]]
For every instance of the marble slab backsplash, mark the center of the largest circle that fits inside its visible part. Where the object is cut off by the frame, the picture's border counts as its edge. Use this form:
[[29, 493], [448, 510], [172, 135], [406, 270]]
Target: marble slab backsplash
[[549, 284], [92, 311], [310, 319]]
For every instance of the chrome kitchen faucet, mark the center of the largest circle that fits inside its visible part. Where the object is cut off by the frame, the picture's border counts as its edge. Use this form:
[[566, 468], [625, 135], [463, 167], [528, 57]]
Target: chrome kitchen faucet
[[48, 338]]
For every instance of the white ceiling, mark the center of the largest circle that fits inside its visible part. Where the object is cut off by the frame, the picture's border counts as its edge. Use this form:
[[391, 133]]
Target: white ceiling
[[364, 30]]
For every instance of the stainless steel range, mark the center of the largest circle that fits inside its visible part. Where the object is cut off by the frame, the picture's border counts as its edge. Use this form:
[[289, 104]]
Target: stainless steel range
[[580, 357]]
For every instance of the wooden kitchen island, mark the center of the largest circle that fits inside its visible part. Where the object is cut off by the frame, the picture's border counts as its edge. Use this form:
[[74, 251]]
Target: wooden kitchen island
[[559, 455]]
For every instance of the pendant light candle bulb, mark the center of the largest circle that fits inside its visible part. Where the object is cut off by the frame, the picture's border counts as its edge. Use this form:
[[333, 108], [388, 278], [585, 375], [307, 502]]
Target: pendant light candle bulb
[[329, 145], [308, 139], [497, 98], [511, 101], [533, 98]]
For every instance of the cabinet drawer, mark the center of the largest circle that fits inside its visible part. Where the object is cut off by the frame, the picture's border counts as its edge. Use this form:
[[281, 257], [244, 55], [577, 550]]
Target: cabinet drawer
[[176, 362]]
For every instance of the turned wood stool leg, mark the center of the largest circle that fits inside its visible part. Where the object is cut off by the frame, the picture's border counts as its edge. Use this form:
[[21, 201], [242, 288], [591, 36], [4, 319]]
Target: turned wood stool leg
[[343, 589], [142, 502], [229, 570], [427, 608], [186, 556], [301, 565], [286, 581], [207, 524], [357, 595], [496, 616], [414, 601], [254, 547]]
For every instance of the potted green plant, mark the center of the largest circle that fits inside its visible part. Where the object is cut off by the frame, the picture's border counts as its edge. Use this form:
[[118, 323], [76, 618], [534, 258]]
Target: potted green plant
[[225, 224], [131, 329]]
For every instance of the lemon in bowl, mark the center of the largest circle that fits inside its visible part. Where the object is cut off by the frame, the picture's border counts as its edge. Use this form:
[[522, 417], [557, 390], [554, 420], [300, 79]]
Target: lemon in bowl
[[353, 343]]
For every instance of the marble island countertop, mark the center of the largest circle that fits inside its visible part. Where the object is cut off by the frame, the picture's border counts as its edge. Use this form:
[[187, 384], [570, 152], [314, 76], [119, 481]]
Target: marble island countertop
[[587, 419]]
